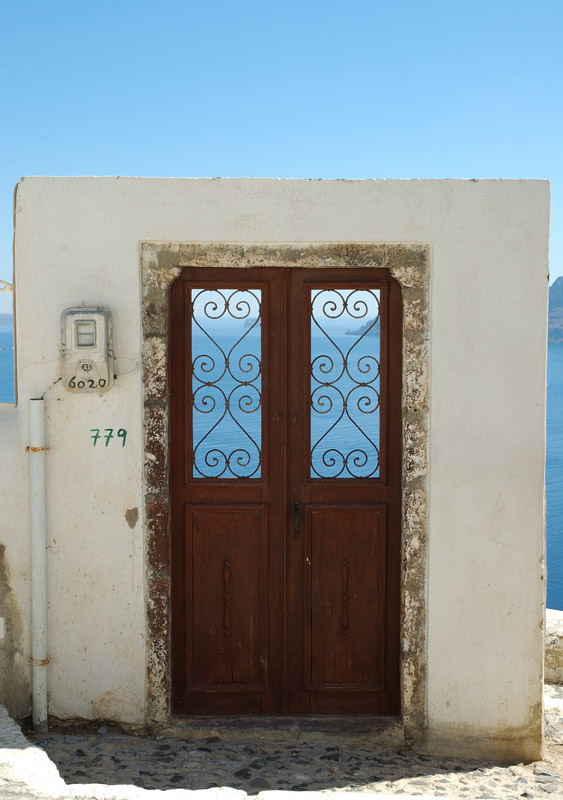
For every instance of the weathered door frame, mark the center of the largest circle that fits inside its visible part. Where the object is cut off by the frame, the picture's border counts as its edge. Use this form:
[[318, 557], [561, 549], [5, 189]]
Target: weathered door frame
[[409, 264]]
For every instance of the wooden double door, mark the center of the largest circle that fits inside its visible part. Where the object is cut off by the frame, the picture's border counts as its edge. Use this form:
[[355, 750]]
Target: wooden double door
[[285, 462]]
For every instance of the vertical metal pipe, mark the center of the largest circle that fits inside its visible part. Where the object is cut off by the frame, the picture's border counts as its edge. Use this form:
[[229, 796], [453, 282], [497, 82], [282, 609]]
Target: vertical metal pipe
[[39, 658]]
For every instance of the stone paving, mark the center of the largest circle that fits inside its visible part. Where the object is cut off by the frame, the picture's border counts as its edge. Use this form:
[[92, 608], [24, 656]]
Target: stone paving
[[105, 762]]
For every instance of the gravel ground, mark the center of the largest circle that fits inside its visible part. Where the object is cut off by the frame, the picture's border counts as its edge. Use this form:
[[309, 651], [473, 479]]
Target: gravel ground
[[172, 764], [106, 762]]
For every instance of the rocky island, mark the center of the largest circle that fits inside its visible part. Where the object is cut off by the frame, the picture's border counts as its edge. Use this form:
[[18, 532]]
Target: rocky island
[[555, 321]]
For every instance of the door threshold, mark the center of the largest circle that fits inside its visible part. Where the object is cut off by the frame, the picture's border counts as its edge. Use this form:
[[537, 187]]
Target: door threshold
[[359, 729]]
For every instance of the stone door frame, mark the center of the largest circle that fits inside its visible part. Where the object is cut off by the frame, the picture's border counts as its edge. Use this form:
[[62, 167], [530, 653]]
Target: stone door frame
[[409, 264]]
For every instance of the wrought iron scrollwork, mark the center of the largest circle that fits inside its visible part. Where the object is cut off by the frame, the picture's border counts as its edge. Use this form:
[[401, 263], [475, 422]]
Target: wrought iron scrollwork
[[226, 383], [345, 383]]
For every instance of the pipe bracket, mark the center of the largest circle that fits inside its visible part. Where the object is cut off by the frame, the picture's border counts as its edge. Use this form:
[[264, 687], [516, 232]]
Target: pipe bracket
[[39, 662], [30, 449]]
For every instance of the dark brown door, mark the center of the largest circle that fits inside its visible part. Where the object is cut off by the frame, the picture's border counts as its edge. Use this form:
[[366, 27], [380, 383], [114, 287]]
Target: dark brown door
[[285, 461]]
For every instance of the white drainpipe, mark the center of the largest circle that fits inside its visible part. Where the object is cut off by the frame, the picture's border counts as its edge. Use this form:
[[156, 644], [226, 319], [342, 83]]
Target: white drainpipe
[[39, 660]]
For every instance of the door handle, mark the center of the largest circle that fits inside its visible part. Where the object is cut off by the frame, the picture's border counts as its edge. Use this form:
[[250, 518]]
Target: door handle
[[296, 516]]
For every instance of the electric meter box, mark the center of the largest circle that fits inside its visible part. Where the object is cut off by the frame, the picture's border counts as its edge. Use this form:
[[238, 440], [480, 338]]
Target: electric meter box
[[87, 349]]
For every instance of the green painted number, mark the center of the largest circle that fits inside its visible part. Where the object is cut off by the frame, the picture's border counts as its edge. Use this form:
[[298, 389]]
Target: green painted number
[[108, 434]]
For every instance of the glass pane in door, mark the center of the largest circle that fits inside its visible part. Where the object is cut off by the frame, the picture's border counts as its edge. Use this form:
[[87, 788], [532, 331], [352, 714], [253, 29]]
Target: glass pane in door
[[345, 383], [226, 383]]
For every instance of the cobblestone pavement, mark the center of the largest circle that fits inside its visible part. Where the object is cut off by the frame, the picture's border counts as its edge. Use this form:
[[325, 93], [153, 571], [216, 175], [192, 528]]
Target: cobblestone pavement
[[173, 764], [107, 763]]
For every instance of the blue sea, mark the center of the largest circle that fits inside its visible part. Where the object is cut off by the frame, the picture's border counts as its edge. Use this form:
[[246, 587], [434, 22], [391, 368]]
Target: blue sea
[[554, 476], [6, 364], [554, 458]]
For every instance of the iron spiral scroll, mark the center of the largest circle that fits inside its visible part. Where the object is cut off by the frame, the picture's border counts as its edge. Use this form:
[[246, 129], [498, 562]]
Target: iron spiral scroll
[[226, 384], [345, 384]]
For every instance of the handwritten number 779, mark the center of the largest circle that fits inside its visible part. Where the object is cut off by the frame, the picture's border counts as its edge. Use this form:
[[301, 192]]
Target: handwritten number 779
[[95, 435]]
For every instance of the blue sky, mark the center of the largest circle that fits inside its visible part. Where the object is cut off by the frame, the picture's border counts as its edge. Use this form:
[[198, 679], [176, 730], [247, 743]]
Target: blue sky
[[355, 89]]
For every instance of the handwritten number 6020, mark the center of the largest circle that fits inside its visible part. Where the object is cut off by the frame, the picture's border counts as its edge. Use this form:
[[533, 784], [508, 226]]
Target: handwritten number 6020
[[107, 435], [87, 382]]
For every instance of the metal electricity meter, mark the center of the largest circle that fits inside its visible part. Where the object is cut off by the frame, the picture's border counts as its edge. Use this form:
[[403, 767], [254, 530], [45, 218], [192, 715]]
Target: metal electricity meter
[[87, 349]]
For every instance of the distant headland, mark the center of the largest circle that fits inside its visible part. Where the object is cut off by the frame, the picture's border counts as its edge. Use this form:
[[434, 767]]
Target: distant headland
[[555, 323], [369, 328]]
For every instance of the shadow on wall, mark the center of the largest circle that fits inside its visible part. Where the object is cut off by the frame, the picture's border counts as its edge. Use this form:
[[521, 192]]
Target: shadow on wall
[[15, 690]]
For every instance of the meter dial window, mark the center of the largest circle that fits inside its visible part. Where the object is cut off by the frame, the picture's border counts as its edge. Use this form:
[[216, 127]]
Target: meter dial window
[[85, 333]]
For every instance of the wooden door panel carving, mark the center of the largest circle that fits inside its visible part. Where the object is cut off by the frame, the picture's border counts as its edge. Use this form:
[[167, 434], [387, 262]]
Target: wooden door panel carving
[[347, 598], [225, 568]]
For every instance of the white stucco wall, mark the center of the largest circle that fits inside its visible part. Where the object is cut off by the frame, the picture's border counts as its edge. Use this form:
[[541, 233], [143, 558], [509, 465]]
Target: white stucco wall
[[78, 241]]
